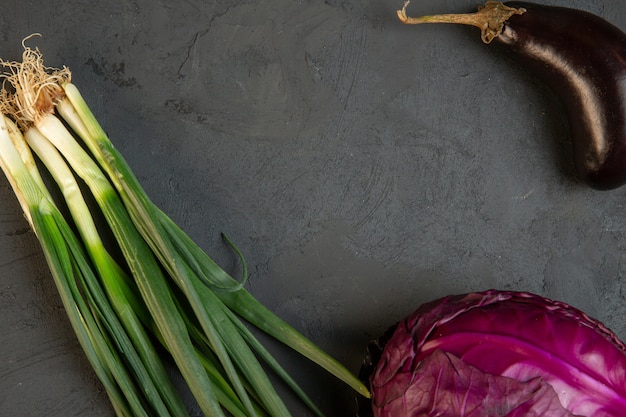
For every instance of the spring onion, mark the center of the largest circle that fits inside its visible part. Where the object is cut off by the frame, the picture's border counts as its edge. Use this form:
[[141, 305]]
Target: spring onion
[[165, 294]]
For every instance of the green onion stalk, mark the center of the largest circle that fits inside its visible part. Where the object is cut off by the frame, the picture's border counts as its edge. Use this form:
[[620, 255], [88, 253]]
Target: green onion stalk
[[166, 291], [73, 275]]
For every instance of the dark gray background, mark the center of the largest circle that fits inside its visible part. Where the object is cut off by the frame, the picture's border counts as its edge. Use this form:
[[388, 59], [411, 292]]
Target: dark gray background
[[362, 166]]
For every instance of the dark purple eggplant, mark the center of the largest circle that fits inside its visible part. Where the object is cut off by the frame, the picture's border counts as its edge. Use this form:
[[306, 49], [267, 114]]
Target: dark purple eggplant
[[582, 58]]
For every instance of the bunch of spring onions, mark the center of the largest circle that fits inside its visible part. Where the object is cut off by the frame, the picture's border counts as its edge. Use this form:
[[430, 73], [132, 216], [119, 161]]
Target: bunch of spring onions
[[164, 296]]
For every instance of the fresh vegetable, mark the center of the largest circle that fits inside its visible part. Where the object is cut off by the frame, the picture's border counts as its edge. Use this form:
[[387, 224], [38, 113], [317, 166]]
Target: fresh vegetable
[[582, 58], [164, 292], [497, 353]]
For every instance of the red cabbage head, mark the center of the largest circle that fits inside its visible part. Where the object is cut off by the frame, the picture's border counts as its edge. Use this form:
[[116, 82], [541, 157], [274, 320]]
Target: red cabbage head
[[499, 354]]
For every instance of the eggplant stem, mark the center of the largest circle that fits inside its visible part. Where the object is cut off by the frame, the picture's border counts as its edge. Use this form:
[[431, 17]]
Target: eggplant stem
[[489, 18]]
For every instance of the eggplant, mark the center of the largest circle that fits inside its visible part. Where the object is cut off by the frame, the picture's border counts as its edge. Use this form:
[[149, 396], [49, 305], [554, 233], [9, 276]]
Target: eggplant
[[582, 58]]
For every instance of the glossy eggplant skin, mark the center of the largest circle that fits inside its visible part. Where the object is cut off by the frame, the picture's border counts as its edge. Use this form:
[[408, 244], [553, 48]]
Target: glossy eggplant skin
[[583, 59]]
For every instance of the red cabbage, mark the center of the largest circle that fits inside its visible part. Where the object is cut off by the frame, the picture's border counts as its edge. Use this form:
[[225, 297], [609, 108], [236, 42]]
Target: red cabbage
[[499, 354]]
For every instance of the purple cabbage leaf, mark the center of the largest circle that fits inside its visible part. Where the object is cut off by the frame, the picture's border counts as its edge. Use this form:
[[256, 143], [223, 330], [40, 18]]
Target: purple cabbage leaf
[[500, 354]]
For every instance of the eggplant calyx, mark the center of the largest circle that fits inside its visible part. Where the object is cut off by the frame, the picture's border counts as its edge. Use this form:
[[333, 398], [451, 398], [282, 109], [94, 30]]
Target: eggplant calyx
[[489, 18]]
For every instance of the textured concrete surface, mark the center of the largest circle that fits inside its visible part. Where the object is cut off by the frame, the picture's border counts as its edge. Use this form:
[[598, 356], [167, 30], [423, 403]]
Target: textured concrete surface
[[362, 166]]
